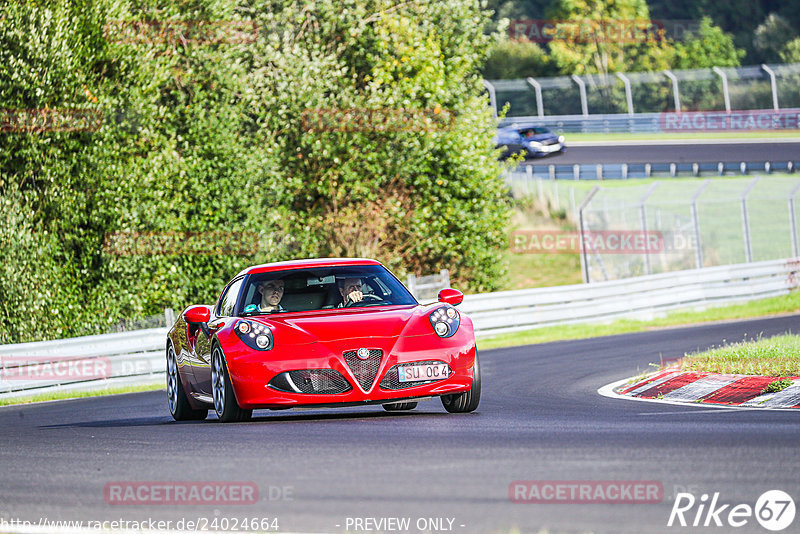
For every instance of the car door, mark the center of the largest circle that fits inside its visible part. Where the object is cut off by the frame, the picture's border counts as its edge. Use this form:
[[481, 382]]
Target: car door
[[222, 312]]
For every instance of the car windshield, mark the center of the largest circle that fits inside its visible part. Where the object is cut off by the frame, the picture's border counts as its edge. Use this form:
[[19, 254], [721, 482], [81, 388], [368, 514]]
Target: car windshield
[[538, 130], [322, 288]]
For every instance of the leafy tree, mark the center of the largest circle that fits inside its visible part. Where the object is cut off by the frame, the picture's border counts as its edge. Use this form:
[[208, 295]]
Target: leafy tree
[[509, 59], [625, 49], [710, 47], [202, 132], [791, 51], [419, 199], [772, 36]]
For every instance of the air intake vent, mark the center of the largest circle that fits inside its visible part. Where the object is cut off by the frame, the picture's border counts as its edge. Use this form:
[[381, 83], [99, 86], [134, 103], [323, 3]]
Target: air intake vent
[[364, 368], [319, 381]]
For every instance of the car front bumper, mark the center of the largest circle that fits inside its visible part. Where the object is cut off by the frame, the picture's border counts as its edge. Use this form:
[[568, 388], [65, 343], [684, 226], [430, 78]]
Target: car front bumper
[[251, 371]]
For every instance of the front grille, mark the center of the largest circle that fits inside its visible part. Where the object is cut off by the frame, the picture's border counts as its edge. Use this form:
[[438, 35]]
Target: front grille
[[550, 141], [391, 380], [364, 370], [319, 381]]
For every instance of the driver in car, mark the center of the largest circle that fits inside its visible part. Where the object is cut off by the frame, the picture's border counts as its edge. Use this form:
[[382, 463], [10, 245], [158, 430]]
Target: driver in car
[[271, 295], [350, 290]]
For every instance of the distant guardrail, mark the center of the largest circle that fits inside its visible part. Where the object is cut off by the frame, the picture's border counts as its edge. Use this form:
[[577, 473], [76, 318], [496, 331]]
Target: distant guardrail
[[624, 171], [136, 358], [687, 122], [642, 297], [426, 288]]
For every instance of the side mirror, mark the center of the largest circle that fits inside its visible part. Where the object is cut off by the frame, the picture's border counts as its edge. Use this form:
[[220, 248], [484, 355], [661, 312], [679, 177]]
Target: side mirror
[[197, 314], [450, 296]]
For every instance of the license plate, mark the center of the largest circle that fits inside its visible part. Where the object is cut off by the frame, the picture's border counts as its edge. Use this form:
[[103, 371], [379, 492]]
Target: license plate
[[418, 373]]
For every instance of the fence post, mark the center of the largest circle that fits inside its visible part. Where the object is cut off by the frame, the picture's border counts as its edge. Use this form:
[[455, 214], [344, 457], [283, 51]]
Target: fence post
[[725, 95], [537, 87], [581, 230], [643, 221], [793, 221], [445, 277], [774, 84], [540, 189], [169, 315], [528, 178], [412, 284], [676, 95], [492, 97], [748, 251], [628, 95], [582, 89], [698, 255]]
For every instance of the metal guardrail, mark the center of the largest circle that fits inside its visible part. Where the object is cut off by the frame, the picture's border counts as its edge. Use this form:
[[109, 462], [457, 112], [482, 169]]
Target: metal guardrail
[[426, 288], [135, 358], [624, 171], [701, 121], [85, 363], [639, 298]]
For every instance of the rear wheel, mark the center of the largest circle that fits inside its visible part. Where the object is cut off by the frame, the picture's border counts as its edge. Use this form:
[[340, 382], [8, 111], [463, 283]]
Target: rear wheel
[[469, 400], [399, 406], [179, 405], [225, 405]]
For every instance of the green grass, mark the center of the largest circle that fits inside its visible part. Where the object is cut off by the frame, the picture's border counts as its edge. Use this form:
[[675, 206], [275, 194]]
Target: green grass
[[778, 385], [759, 308], [775, 356], [755, 134], [60, 395]]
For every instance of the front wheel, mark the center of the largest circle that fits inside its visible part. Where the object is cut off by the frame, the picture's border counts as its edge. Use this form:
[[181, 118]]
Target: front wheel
[[179, 405], [469, 400], [225, 405]]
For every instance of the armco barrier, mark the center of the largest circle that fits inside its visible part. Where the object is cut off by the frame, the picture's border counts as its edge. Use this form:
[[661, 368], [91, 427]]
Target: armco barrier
[[127, 358], [639, 298], [138, 357], [625, 171]]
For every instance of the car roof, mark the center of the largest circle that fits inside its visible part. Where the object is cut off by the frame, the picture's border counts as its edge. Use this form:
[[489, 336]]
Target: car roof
[[299, 264]]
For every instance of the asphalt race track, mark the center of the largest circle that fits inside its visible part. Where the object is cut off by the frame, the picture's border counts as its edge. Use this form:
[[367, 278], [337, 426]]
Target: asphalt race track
[[540, 418], [666, 152]]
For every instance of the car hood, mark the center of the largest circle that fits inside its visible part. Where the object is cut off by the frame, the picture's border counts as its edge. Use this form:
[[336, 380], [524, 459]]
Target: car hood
[[342, 324]]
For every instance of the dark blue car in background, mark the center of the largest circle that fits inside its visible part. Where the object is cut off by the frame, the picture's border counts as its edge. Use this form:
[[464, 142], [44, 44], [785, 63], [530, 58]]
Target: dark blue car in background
[[535, 141]]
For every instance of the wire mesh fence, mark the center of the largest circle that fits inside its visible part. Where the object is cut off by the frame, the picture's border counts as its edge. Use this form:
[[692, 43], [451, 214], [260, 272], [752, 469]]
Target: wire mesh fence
[[755, 87], [689, 225], [657, 226]]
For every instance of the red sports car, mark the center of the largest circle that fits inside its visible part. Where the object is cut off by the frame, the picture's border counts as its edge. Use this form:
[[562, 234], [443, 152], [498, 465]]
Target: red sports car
[[320, 333]]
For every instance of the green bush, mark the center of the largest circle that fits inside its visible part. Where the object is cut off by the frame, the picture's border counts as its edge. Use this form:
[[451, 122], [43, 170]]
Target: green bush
[[204, 135]]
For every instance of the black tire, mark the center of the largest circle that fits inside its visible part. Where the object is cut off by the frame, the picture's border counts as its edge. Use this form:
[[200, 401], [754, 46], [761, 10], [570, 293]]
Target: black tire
[[179, 405], [468, 401], [225, 404], [399, 406]]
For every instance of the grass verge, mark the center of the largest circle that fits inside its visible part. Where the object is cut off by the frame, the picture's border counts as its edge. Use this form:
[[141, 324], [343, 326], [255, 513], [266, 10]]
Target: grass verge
[[755, 134], [60, 395], [774, 356], [758, 308]]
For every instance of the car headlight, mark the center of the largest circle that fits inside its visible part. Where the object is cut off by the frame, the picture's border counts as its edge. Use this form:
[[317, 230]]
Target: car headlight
[[560, 138], [254, 335], [445, 321]]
